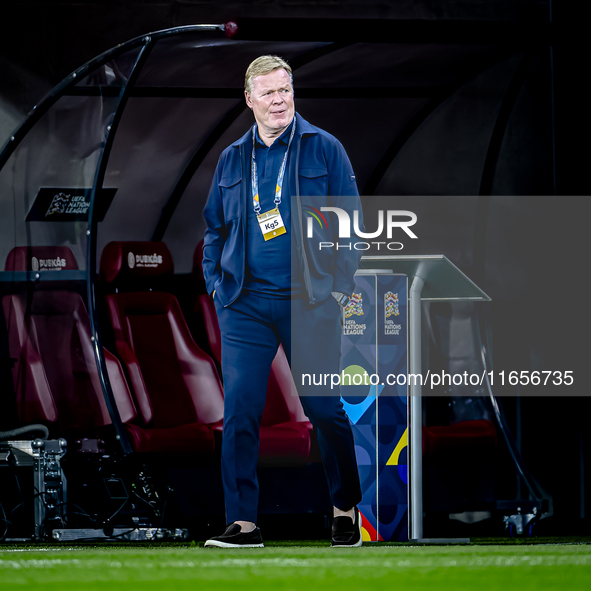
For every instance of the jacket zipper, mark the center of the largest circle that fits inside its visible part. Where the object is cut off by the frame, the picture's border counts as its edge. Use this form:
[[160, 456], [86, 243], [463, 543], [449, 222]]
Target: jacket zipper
[[306, 269]]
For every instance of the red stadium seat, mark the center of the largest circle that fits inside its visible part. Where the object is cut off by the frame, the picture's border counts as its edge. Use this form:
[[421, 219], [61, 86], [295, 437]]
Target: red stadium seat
[[204, 310], [286, 433], [445, 441], [55, 377], [175, 384]]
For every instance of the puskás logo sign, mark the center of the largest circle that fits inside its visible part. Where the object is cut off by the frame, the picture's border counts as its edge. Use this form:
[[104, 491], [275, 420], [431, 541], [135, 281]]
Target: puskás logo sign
[[143, 260], [56, 264]]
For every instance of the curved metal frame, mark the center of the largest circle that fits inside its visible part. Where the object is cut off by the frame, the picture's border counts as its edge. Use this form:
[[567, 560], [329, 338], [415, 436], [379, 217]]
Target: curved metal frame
[[147, 41], [91, 247], [492, 155], [500, 127], [535, 491], [60, 89], [482, 208], [418, 119]]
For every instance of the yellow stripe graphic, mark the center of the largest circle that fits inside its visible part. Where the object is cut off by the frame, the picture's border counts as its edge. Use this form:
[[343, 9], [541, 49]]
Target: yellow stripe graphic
[[393, 461]]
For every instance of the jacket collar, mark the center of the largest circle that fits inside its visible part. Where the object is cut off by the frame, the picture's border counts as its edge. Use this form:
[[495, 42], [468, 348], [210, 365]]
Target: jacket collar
[[302, 128]]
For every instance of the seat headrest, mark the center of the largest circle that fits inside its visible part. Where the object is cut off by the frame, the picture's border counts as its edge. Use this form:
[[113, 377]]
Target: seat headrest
[[41, 258], [198, 261], [123, 262]]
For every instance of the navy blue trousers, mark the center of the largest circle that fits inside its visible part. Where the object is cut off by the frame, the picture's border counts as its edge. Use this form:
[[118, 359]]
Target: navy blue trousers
[[252, 328]]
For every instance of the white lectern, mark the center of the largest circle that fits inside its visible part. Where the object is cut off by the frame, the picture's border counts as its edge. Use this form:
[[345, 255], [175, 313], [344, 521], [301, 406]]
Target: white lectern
[[431, 278]]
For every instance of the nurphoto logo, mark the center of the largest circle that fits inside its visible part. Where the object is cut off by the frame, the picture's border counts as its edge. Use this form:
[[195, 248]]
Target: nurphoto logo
[[387, 220]]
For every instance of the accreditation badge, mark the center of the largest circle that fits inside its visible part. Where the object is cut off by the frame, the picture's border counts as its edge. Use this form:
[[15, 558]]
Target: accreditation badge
[[271, 224]]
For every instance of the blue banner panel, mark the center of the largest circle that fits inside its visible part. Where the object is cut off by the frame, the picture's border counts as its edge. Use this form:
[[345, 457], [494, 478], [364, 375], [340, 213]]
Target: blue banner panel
[[392, 410], [374, 348], [358, 362]]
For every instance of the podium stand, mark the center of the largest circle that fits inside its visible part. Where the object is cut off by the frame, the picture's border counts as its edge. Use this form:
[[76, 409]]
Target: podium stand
[[431, 278]]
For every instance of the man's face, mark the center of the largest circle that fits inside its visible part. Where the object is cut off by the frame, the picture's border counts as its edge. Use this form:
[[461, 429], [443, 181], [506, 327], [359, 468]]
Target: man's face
[[271, 101]]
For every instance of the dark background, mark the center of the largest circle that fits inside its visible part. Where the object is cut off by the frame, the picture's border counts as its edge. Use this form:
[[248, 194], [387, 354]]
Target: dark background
[[42, 42]]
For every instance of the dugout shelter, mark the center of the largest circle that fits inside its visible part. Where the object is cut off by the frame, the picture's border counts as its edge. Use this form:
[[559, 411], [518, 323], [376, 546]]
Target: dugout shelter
[[107, 338]]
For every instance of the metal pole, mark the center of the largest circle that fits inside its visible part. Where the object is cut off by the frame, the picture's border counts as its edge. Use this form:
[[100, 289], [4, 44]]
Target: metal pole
[[416, 412], [92, 246]]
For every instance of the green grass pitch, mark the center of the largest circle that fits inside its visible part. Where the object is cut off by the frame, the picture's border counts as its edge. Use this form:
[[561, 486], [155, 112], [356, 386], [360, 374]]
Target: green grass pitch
[[305, 566]]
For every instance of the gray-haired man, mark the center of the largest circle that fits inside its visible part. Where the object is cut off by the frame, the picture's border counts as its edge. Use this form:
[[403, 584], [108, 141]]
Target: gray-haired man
[[258, 184]]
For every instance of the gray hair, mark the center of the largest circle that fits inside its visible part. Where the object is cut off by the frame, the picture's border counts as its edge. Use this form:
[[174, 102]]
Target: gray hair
[[265, 64]]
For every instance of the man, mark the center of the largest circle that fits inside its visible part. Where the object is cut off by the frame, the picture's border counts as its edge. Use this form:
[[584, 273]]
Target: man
[[261, 273]]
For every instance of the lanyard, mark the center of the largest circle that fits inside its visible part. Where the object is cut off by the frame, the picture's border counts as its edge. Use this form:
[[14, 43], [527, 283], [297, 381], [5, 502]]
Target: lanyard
[[254, 175]]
